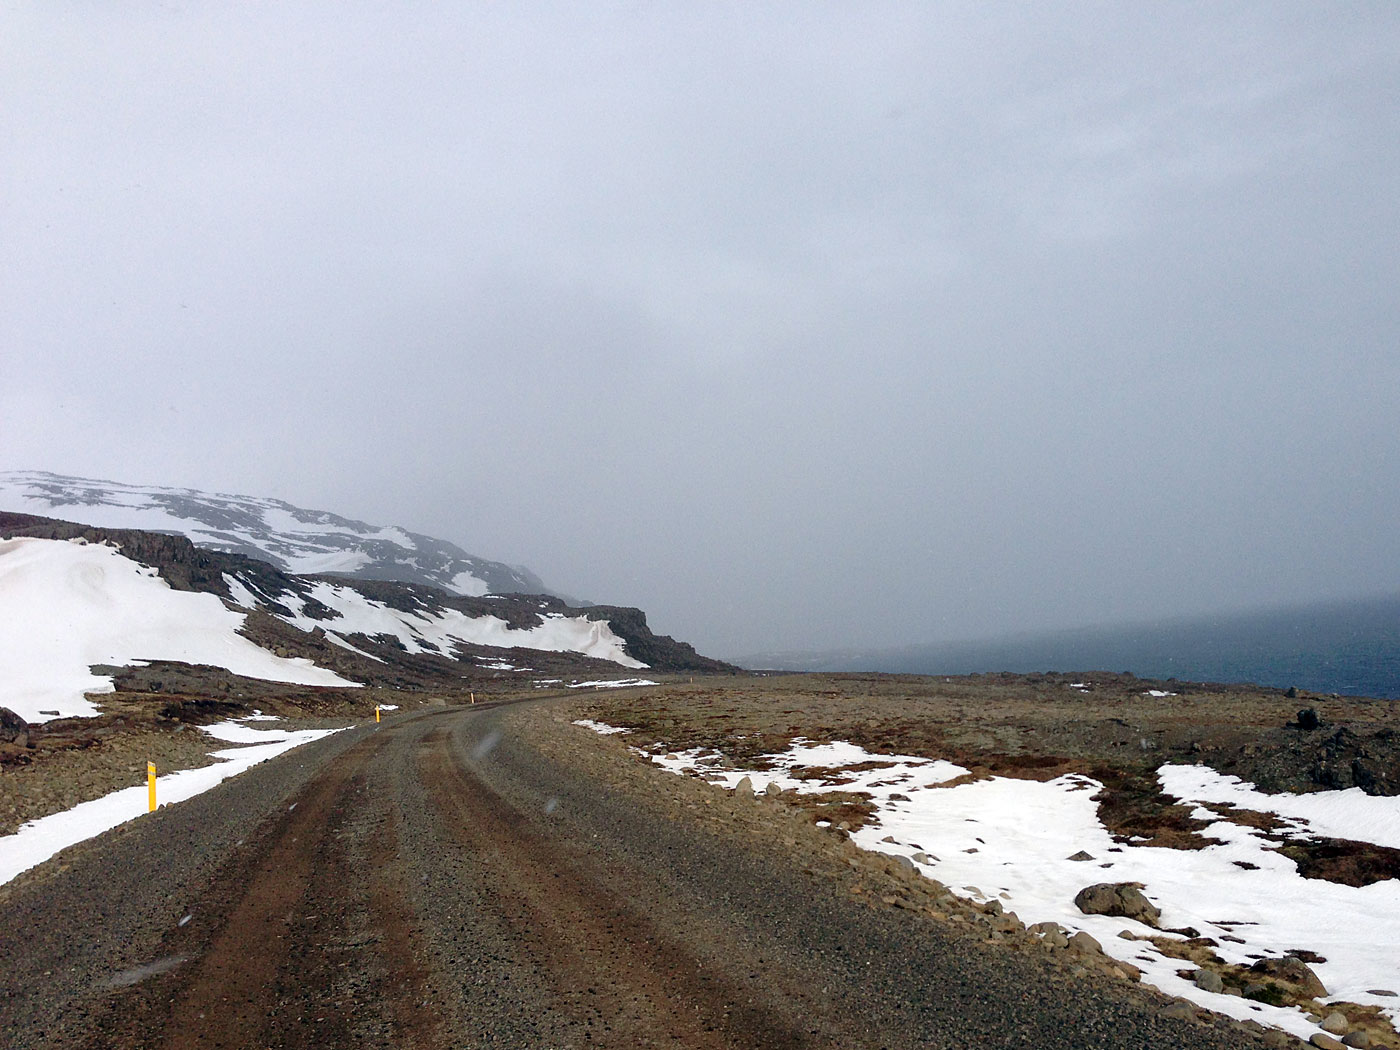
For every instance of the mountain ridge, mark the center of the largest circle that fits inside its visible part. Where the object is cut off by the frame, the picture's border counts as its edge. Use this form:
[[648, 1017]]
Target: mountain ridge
[[290, 538]]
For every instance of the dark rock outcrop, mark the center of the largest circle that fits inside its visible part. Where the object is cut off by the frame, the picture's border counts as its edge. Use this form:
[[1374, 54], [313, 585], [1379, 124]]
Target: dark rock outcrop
[[14, 729], [1118, 898], [1292, 971]]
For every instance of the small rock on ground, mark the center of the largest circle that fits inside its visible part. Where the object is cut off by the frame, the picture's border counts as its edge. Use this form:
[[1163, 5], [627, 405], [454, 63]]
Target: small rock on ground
[[1336, 1022]]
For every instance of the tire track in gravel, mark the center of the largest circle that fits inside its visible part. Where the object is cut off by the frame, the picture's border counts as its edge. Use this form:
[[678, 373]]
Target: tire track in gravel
[[304, 944], [610, 968]]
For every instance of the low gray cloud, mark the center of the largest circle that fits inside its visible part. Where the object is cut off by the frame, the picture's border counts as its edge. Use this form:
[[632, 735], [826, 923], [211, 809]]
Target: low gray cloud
[[796, 325]]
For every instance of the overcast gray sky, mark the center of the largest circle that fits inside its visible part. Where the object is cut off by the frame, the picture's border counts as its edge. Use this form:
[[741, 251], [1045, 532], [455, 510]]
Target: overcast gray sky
[[797, 325]]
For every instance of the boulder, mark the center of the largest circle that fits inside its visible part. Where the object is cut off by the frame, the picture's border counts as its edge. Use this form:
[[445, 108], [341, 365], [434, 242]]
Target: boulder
[[1208, 981], [13, 728], [1336, 1022], [1117, 898], [1323, 1041], [1083, 942], [1358, 1039], [744, 789], [1178, 1011], [1292, 971], [1081, 855]]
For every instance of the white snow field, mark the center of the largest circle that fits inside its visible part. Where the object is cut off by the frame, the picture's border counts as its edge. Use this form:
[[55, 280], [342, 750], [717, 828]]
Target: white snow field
[[1012, 839], [39, 840], [613, 683], [440, 630], [66, 605]]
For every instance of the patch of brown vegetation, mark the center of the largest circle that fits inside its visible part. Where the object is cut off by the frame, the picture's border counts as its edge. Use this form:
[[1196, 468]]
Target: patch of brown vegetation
[[1343, 861], [1270, 823], [837, 807], [1133, 806], [1197, 950]]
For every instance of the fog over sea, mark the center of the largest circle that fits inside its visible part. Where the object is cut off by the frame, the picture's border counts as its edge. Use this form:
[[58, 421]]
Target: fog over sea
[[1351, 648]]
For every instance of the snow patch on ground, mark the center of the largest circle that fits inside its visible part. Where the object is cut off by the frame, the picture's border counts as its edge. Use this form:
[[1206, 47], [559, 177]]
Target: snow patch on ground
[[1011, 840], [335, 639], [39, 840], [239, 594], [618, 683], [465, 583], [66, 605], [1349, 814], [346, 562], [600, 727]]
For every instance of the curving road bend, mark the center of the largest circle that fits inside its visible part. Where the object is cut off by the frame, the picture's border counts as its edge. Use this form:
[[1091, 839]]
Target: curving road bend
[[457, 879]]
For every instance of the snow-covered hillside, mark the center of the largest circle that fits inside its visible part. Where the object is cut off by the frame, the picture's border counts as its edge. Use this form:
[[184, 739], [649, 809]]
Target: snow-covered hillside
[[66, 605], [343, 612], [290, 538]]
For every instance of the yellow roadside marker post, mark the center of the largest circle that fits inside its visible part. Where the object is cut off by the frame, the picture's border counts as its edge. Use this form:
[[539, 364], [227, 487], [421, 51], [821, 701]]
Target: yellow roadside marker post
[[473, 695], [376, 712], [150, 787]]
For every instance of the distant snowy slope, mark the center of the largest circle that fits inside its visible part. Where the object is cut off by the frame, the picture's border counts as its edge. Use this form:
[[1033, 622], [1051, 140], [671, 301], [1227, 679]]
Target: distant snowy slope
[[344, 613], [290, 538], [66, 605]]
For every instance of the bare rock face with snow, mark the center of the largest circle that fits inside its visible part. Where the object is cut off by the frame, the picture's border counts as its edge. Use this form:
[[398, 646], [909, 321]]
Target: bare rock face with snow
[[1118, 898], [289, 538]]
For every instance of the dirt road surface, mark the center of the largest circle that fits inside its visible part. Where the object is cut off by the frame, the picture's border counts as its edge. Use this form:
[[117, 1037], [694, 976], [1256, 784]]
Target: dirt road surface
[[492, 876]]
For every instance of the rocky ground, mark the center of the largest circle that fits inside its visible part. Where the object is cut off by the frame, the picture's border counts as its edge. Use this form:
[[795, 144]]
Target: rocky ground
[[501, 877], [1108, 726], [1115, 728]]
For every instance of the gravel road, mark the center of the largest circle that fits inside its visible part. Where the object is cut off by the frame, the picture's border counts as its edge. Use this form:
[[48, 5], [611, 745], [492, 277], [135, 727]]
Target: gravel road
[[495, 877]]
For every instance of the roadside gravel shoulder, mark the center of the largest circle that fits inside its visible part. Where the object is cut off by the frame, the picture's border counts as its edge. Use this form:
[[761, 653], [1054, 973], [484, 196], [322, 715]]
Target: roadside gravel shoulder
[[886, 892]]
